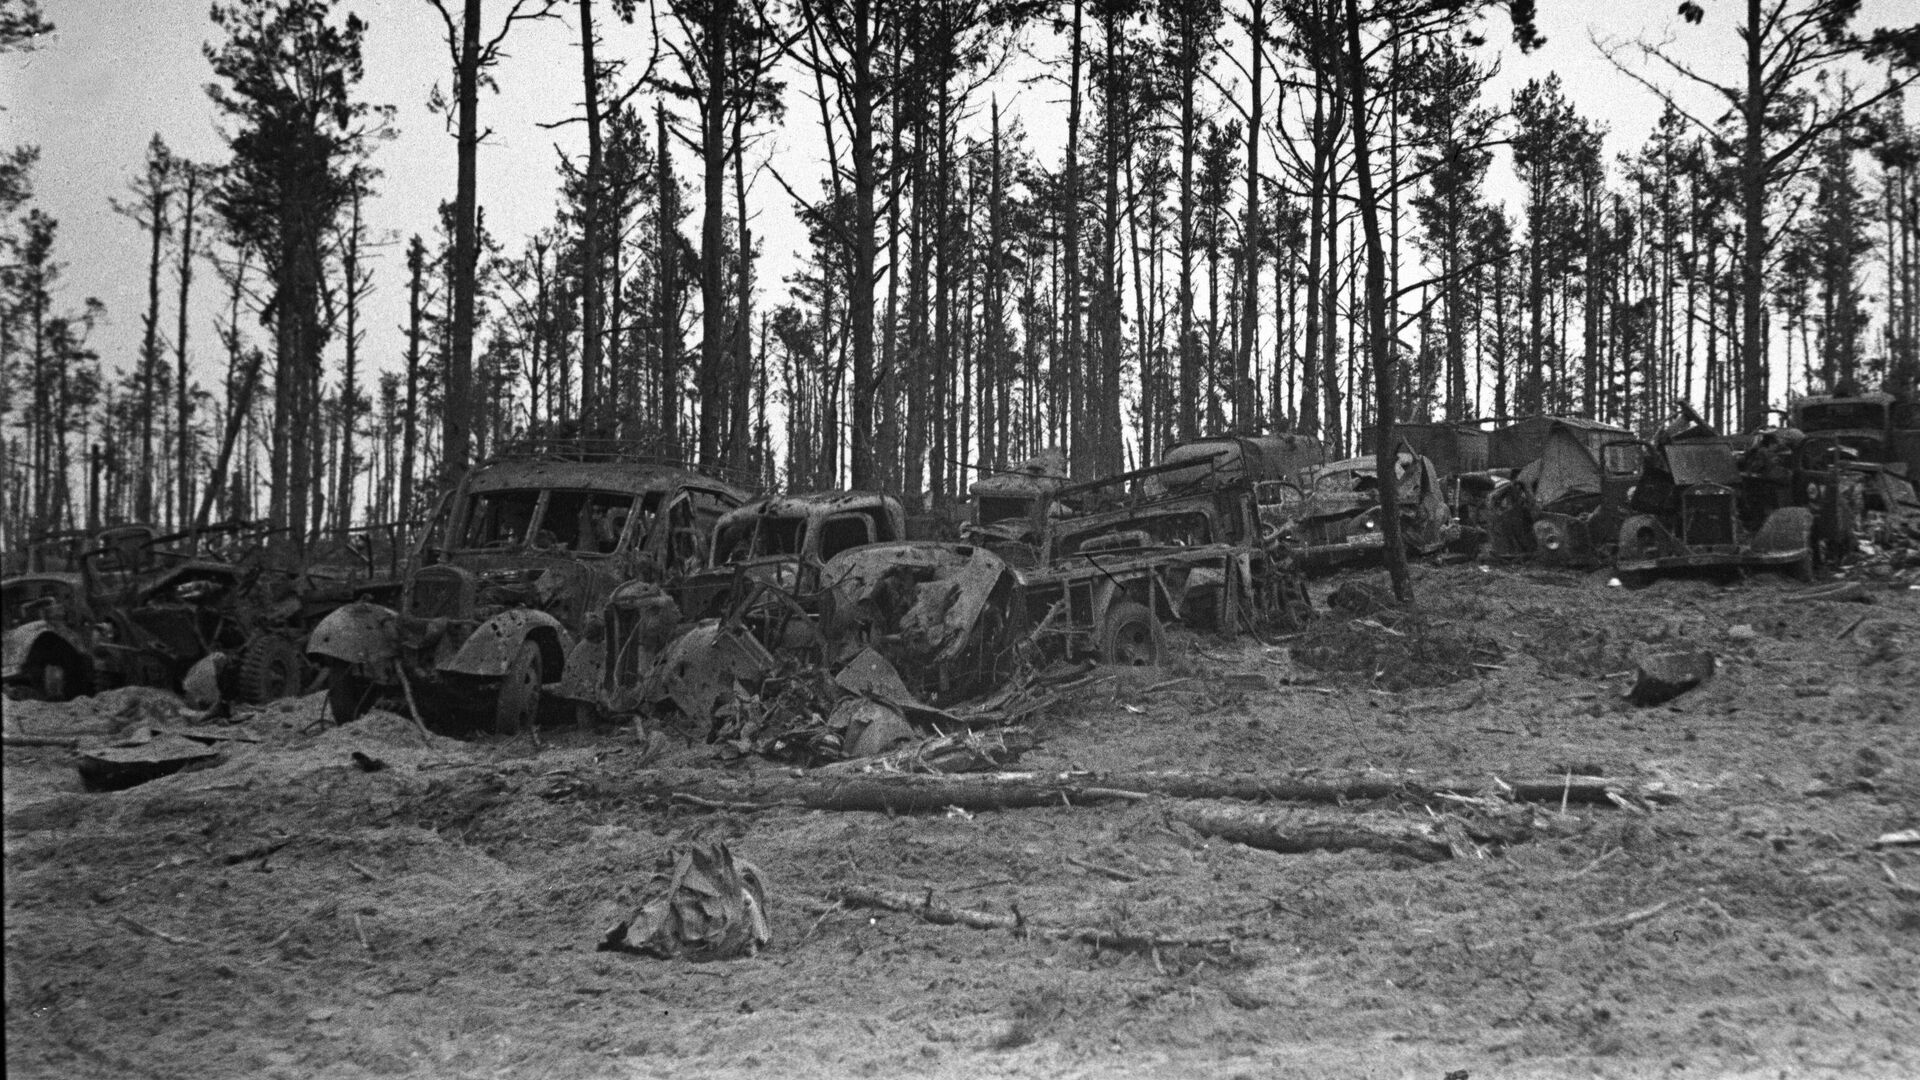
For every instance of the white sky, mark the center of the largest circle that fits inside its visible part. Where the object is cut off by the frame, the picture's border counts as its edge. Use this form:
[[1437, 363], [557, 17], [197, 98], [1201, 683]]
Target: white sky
[[117, 72]]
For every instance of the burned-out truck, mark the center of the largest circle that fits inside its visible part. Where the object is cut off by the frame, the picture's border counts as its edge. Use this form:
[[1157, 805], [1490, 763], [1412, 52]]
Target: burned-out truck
[[516, 566], [1706, 501], [1133, 553], [784, 540]]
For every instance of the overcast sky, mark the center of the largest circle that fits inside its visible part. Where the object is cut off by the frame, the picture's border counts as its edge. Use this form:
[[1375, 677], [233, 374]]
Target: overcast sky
[[115, 73]]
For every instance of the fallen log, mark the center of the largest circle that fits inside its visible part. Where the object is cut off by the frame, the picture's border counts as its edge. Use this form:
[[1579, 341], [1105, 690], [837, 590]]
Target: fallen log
[[908, 794], [1295, 831], [928, 909]]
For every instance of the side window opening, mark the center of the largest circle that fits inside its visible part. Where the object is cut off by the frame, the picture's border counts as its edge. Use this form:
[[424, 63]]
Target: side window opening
[[500, 518], [843, 531]]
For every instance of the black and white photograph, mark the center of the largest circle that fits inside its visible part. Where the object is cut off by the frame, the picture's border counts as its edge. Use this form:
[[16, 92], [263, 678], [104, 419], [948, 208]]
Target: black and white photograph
[[818, 539]]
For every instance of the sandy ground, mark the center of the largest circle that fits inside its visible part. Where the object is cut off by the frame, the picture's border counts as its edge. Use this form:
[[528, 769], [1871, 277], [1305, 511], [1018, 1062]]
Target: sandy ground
[[285, 914]]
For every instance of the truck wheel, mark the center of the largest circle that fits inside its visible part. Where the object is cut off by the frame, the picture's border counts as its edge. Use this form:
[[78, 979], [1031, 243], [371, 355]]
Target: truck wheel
[[516, 705], [269, 670], [1131, 637], [52, 676], [347, 694]]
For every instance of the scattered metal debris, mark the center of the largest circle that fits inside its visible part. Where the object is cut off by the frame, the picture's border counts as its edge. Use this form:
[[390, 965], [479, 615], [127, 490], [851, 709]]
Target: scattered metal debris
[[701, 903]]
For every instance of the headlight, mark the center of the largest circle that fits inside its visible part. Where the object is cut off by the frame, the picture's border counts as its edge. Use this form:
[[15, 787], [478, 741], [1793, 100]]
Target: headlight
[[1548, 536]]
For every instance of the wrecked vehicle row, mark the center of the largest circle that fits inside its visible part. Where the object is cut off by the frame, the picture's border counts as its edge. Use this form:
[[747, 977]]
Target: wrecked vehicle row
[[199, 609], [518, 563], [622, 588]]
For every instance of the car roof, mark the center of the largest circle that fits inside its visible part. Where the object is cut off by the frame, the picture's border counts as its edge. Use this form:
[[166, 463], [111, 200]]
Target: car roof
[[618, 477]]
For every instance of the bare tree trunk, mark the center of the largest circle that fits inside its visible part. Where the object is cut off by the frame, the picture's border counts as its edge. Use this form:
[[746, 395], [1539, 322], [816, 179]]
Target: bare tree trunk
[[1754, 176], [593, 410], [416, 313], [668, 314], [157, 198], [866, 183], [744, 376], [457, 441], [713, 298], [182, 400], [1385, 438], [1250, 243], [1079, 455]]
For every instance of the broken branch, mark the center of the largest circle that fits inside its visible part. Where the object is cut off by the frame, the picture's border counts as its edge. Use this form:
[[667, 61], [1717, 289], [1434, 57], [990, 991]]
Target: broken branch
[[927, 909], [1294, 831]]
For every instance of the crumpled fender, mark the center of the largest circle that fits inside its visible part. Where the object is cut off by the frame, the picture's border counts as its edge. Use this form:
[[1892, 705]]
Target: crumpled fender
[[485, 654], [580, 681], [362, 632], [1787, 533], [20, 641]]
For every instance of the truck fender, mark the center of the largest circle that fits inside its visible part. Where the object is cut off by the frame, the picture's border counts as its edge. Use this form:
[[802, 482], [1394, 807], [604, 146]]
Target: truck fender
[[358, 633], [1787, 531], [580, 681], [1643, 538], [486, 653], [20, 643]]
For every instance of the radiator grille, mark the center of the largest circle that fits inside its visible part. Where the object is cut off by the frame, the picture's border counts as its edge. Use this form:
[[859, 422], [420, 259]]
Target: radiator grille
[[439, 593], [1708, 515]]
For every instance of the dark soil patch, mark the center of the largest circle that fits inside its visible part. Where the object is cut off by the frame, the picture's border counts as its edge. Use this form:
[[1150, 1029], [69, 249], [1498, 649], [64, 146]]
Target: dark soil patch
[[1397, 649]]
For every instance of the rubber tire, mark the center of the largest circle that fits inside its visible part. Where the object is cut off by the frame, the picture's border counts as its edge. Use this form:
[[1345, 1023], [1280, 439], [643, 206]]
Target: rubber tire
[[348, 695], [53, 679], [270, 669], [516, 702], [1131, 636]]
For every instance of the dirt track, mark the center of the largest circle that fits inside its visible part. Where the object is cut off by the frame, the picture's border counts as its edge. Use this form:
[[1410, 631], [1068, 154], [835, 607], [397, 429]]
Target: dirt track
[[286, 914]]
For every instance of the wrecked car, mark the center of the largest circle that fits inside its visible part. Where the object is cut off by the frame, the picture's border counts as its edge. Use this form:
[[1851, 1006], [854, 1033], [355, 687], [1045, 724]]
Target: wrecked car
[[1879, 428], [514, 569], [947, 617], [1256, 458], [1199, 557], [1576, 499], [50, 629], [918, 625], [1010, 509], [784, 539], [202, 607], [1338, 519], [144, 609], [1689, 511]]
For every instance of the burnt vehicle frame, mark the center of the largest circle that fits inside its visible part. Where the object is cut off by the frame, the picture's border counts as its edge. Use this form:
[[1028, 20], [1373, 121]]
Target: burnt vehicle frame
[[1335, 520], [1144, 556], [1879, 427], [946, 618], [51, 634], [1579, 528], [1699, 503], [512, 573], [144, 608], [784, 540]]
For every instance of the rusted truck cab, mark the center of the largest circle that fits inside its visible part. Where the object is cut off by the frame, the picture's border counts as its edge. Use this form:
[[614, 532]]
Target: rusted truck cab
[[50, 628], [783, 540], [516, 567], [1010, 513], [1134, 552], [1338, 519], [1693, 508]]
